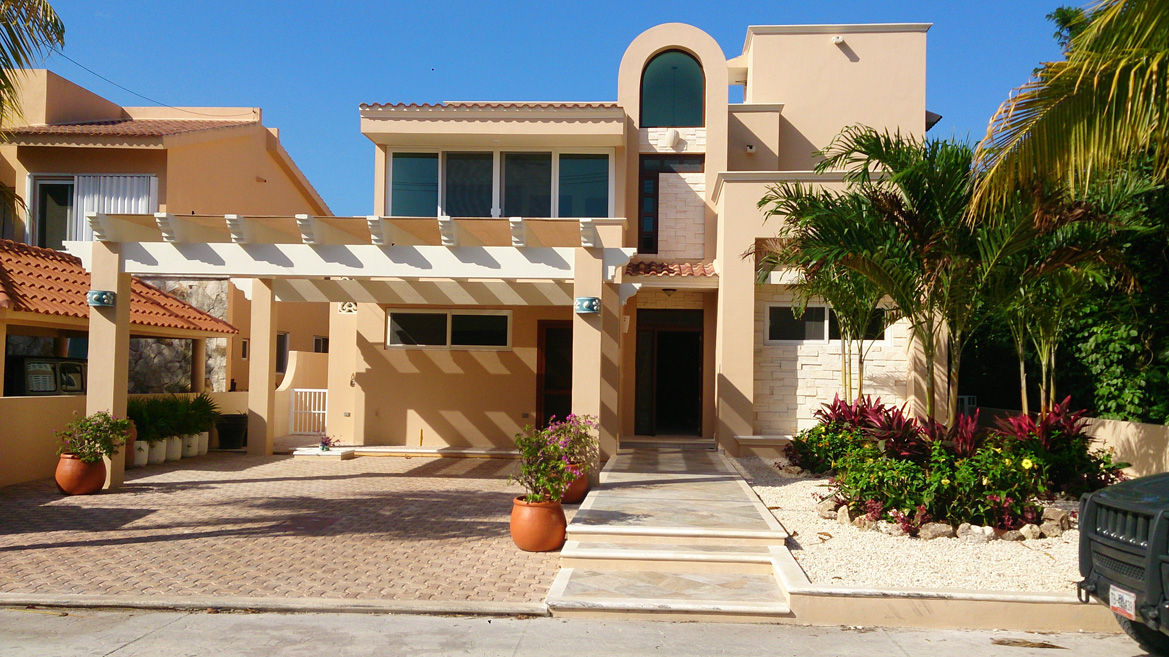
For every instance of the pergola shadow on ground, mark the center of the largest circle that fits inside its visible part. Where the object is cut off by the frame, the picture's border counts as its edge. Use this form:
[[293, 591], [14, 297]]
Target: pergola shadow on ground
[[250, 526]]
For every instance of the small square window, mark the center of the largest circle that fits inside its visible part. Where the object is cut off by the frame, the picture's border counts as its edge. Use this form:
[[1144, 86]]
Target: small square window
[[281, 353], [320, 344]]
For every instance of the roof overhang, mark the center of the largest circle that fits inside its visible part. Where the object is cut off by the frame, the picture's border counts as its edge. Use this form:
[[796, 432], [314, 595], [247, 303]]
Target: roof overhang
[[515, 125]]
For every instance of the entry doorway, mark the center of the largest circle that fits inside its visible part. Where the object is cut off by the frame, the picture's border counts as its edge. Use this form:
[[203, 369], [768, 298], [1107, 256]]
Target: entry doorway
[[553, 370], [668, 396]]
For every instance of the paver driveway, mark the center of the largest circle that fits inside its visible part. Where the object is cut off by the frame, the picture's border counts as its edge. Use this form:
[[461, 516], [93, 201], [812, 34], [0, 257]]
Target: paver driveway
[[236, 525]]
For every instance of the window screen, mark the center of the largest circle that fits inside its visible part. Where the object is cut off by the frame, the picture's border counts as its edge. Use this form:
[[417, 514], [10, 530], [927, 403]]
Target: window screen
[[782, 325], [584, 185], [527, 184], [478, 330], [414, 185], [417, 329]]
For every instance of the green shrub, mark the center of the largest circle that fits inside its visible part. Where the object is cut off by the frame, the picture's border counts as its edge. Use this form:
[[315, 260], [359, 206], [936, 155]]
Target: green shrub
[[819, 448], [91, 437]]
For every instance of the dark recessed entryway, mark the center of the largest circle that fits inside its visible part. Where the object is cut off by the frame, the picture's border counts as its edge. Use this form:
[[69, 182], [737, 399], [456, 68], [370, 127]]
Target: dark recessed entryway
[[669, 373]]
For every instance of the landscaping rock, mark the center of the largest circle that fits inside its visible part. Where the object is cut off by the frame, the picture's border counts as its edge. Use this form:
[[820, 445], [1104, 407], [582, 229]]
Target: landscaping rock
[[1051, 529], [1011, 535], [890, 528], [863, 522], [931, 530], [792, 470], [842, 515], [1030, 532], [969, 533], [827, 508], [1057, 515]]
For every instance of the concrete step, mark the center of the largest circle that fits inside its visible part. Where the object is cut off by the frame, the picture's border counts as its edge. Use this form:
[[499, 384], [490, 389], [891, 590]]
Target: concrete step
[[666, 557], [671, 535], [725, 597]]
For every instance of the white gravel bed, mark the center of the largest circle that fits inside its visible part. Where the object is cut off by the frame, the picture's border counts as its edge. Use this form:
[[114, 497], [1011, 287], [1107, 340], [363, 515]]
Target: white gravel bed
[[832, 553]]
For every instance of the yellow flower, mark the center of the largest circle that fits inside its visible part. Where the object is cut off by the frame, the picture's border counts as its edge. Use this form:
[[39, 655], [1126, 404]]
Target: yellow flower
[[998, 450], [1007, 461], [1027, 464], [945, 482], [985, 481]]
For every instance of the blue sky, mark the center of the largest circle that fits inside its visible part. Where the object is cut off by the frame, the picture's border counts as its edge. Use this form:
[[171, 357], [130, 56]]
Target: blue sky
[[310, 64]]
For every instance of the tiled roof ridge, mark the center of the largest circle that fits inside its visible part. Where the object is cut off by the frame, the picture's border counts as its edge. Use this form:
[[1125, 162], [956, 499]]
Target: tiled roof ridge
[[49, 282], [680, 268], [131, 127], [472, 104]]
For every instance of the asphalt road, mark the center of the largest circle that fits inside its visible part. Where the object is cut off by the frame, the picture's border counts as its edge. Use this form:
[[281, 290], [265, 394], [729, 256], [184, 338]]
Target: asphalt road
[[69, 632]]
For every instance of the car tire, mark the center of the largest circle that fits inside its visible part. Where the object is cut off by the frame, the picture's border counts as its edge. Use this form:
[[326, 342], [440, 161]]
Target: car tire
[[1151, 641]]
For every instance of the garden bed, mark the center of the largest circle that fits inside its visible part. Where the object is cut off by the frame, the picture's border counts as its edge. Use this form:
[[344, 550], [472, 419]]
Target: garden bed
[[832, 553]]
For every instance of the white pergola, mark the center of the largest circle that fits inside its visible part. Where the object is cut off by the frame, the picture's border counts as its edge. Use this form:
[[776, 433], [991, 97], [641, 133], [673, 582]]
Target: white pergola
[[373, 259]]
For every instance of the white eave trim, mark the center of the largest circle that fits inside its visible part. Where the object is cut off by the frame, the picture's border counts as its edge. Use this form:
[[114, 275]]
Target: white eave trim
[[773, 177], [834, 28]]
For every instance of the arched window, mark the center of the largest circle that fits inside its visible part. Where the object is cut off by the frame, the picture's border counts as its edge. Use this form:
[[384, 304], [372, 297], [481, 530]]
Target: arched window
[[672, 91]]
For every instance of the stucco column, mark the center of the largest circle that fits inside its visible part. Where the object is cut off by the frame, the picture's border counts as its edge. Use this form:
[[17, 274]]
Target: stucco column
[[262, 369], [198, 364], [596, 350], [735, 335], [109, 346]]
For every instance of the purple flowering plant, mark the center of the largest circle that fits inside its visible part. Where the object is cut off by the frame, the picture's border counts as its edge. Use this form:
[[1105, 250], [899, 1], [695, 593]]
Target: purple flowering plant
[[553, 457]]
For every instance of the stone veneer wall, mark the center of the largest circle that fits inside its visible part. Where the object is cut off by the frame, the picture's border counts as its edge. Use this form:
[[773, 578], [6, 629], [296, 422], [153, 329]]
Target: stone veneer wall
[[681, 215], [792, 380], [163, 365], [690, 140]]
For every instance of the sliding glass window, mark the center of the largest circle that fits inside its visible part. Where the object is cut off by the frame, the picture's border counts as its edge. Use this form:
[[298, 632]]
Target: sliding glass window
[[527, 184], [414, 185], [468, 182], [584, 185]]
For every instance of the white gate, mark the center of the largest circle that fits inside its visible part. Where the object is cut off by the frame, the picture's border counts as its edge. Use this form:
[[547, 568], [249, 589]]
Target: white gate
[[306, 411]]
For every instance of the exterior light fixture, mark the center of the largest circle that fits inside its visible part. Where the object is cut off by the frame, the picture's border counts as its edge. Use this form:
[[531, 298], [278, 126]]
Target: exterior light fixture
[[669, 291], [101, 298], [588, 305], [837, 40]]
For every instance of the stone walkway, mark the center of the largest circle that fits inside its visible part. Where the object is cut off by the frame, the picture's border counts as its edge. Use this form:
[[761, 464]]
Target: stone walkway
[[273, 527]]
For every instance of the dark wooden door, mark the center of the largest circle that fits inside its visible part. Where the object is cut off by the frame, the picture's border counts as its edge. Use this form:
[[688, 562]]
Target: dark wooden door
[[553, 371]]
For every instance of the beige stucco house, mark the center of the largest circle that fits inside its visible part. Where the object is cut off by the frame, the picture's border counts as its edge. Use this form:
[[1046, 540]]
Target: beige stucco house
[[524, 260], [71, 152]]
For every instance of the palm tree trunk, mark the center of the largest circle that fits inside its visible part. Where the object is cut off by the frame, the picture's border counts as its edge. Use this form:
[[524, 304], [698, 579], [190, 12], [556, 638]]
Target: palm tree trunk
[[860, 369], [1022, 376], [955, 363]]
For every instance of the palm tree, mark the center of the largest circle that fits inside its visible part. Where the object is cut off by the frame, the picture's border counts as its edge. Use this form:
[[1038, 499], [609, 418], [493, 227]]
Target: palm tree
[[27, 29], [1079, 118]]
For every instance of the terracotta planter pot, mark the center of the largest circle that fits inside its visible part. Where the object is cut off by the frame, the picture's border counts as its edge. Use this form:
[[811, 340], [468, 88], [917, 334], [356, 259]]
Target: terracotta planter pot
[[537, 526], [577, 490], [75, 477], [128, 448]]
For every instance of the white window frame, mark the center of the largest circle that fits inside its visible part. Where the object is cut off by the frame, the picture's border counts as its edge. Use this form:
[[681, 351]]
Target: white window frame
[[32, 193], [318, 340], [449, 312], [497, 174], [828, 311]]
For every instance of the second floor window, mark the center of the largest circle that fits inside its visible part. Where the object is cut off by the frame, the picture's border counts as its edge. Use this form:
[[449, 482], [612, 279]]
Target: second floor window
[[60, 203], [499, 184]]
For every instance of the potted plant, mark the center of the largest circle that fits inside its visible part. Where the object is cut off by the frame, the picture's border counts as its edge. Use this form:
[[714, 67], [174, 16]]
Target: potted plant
[[328, 443], [206, 412], [577, 434], [175, 425], [191, 426], [84, 441], [537, 519]]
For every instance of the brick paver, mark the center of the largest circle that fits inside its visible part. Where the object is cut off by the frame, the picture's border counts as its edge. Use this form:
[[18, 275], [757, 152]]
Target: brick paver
[[235, 525]]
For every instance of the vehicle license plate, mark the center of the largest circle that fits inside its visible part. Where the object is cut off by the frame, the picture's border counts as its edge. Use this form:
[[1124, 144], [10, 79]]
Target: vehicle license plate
[[1122, 602]]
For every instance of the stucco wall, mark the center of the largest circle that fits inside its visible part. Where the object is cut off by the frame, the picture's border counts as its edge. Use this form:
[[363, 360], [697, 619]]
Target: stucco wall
[[792, 380], [302, 321], [439, 397], [1144, 446], [681, 215]]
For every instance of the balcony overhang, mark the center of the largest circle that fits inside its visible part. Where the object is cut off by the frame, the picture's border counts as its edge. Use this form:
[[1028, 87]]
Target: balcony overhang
[[503, 125]]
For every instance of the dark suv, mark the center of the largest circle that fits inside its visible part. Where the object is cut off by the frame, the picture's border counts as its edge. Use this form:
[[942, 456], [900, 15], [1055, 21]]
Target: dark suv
[[1124, 556]]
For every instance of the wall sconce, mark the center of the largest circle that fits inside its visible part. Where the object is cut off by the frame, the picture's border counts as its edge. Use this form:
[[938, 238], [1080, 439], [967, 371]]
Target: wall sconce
[[837, 40], [669, 291], [588, 305], [101, 298]]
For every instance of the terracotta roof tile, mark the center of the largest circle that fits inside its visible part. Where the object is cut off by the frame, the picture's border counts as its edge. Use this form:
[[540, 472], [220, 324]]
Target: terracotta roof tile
[[658, 268], [128, 127], [49, 282], [518, 105]]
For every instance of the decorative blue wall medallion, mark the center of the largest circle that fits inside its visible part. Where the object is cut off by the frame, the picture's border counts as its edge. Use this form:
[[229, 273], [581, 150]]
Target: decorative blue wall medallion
[[101, 298], [588, 305]]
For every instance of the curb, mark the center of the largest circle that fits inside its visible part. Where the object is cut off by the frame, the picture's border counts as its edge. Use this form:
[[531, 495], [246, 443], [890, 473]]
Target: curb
[[285, 605]]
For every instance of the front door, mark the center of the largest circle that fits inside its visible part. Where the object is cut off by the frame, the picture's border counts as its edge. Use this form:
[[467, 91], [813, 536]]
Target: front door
[[668, 395], [553, 371]]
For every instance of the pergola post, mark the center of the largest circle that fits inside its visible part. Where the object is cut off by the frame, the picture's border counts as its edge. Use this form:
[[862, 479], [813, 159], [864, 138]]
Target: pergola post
[[262, 369], [109, 346], [596, 349], [198, 364], [734, 381]]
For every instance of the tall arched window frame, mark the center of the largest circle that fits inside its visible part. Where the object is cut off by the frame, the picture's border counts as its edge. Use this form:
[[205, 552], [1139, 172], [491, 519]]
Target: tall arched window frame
[[673, 91]]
